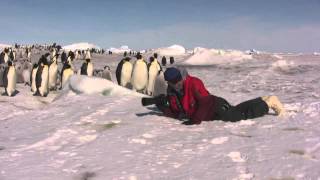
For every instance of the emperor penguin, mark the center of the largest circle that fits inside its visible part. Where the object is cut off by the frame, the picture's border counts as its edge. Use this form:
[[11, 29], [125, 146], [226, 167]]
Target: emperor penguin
[[88, 54], [2, 68], [53, 72], [9, 79], [124, 71], [164, 61], [153, 69], [42, 77], [139, 77], [64, 57], [66, 73], [33, 78], [87, 68], [160, 85], [26, 72], [70, 59], [106, 73], [6, 55], [28, 51]]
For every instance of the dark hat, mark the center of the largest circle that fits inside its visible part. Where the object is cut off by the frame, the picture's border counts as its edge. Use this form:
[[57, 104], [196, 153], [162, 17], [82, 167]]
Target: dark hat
[[172, 75]]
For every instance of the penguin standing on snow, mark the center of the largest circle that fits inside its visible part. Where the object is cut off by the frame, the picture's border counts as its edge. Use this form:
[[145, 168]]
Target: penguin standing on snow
[[26, 72], [160, 85], [164, 61], [53, 72], [64, 57], [33, 78], [139, 77], [87, 68], [10, 79], [42, 77], [2, 68], [153, 69], [6, 56], [123, 72], [66, 73], [106, 73]]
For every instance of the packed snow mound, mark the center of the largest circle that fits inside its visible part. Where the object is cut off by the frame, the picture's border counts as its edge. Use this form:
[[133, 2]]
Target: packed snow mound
[[81, 84], [2, 46], [80, 46], [203, 56], [120, 50], [174, 50]]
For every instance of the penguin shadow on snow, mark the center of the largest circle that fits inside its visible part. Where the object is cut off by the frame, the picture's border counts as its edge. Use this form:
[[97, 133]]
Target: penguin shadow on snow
[[153, 111]]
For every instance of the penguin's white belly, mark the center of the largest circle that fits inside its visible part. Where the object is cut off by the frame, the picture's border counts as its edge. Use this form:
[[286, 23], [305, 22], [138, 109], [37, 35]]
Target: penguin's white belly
[[160, 85], [53, 73], [26, 76], [6, 58], [33, 80], [90, 69], [43, 89], [12, 80], [140, 76], [67, 73], [153, 71], [126, 74]]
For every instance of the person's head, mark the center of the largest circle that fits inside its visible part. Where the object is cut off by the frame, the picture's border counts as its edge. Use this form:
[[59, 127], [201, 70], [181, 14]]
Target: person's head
[[174, 78]]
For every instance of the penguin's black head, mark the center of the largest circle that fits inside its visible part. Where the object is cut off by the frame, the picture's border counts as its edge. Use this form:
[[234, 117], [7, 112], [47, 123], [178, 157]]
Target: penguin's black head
[[46, 55], [139, 56], [88, 60], [71, 54], [127, 59], [43, 60], [6, 50], [107, 67], [10, 63], [35, 66], [155, 55], [151, 59]]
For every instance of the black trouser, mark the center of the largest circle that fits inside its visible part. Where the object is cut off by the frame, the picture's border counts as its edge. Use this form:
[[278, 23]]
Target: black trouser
[[245, 110]]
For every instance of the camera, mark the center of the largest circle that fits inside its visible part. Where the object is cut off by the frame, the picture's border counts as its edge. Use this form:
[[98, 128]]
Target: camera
[[160, 100]]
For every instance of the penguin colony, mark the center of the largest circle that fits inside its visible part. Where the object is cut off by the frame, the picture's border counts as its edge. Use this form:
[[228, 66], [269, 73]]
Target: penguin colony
[[141, 76], [45, 75]]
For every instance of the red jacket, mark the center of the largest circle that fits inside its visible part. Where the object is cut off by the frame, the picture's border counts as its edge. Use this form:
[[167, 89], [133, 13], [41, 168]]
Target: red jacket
[[197, 103]]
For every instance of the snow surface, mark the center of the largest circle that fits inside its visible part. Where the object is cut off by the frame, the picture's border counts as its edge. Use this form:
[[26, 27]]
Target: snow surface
[[103, 132], [80, 46]]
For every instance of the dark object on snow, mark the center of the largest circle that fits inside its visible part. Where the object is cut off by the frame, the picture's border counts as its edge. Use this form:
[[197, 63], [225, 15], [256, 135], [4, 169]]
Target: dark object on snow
[[164, 61], [160, 100], [171, 60]]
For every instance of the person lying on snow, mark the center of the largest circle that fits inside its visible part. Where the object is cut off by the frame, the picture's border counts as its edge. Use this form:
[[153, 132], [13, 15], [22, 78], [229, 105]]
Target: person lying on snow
[[188, 98]]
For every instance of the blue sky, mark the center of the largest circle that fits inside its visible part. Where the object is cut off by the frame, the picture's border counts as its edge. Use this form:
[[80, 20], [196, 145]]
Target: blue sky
[[273, 25]]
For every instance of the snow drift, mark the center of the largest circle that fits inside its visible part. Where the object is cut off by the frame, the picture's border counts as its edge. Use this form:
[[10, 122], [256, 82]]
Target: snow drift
[[80, 46], [174, 50], [203, 56]]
